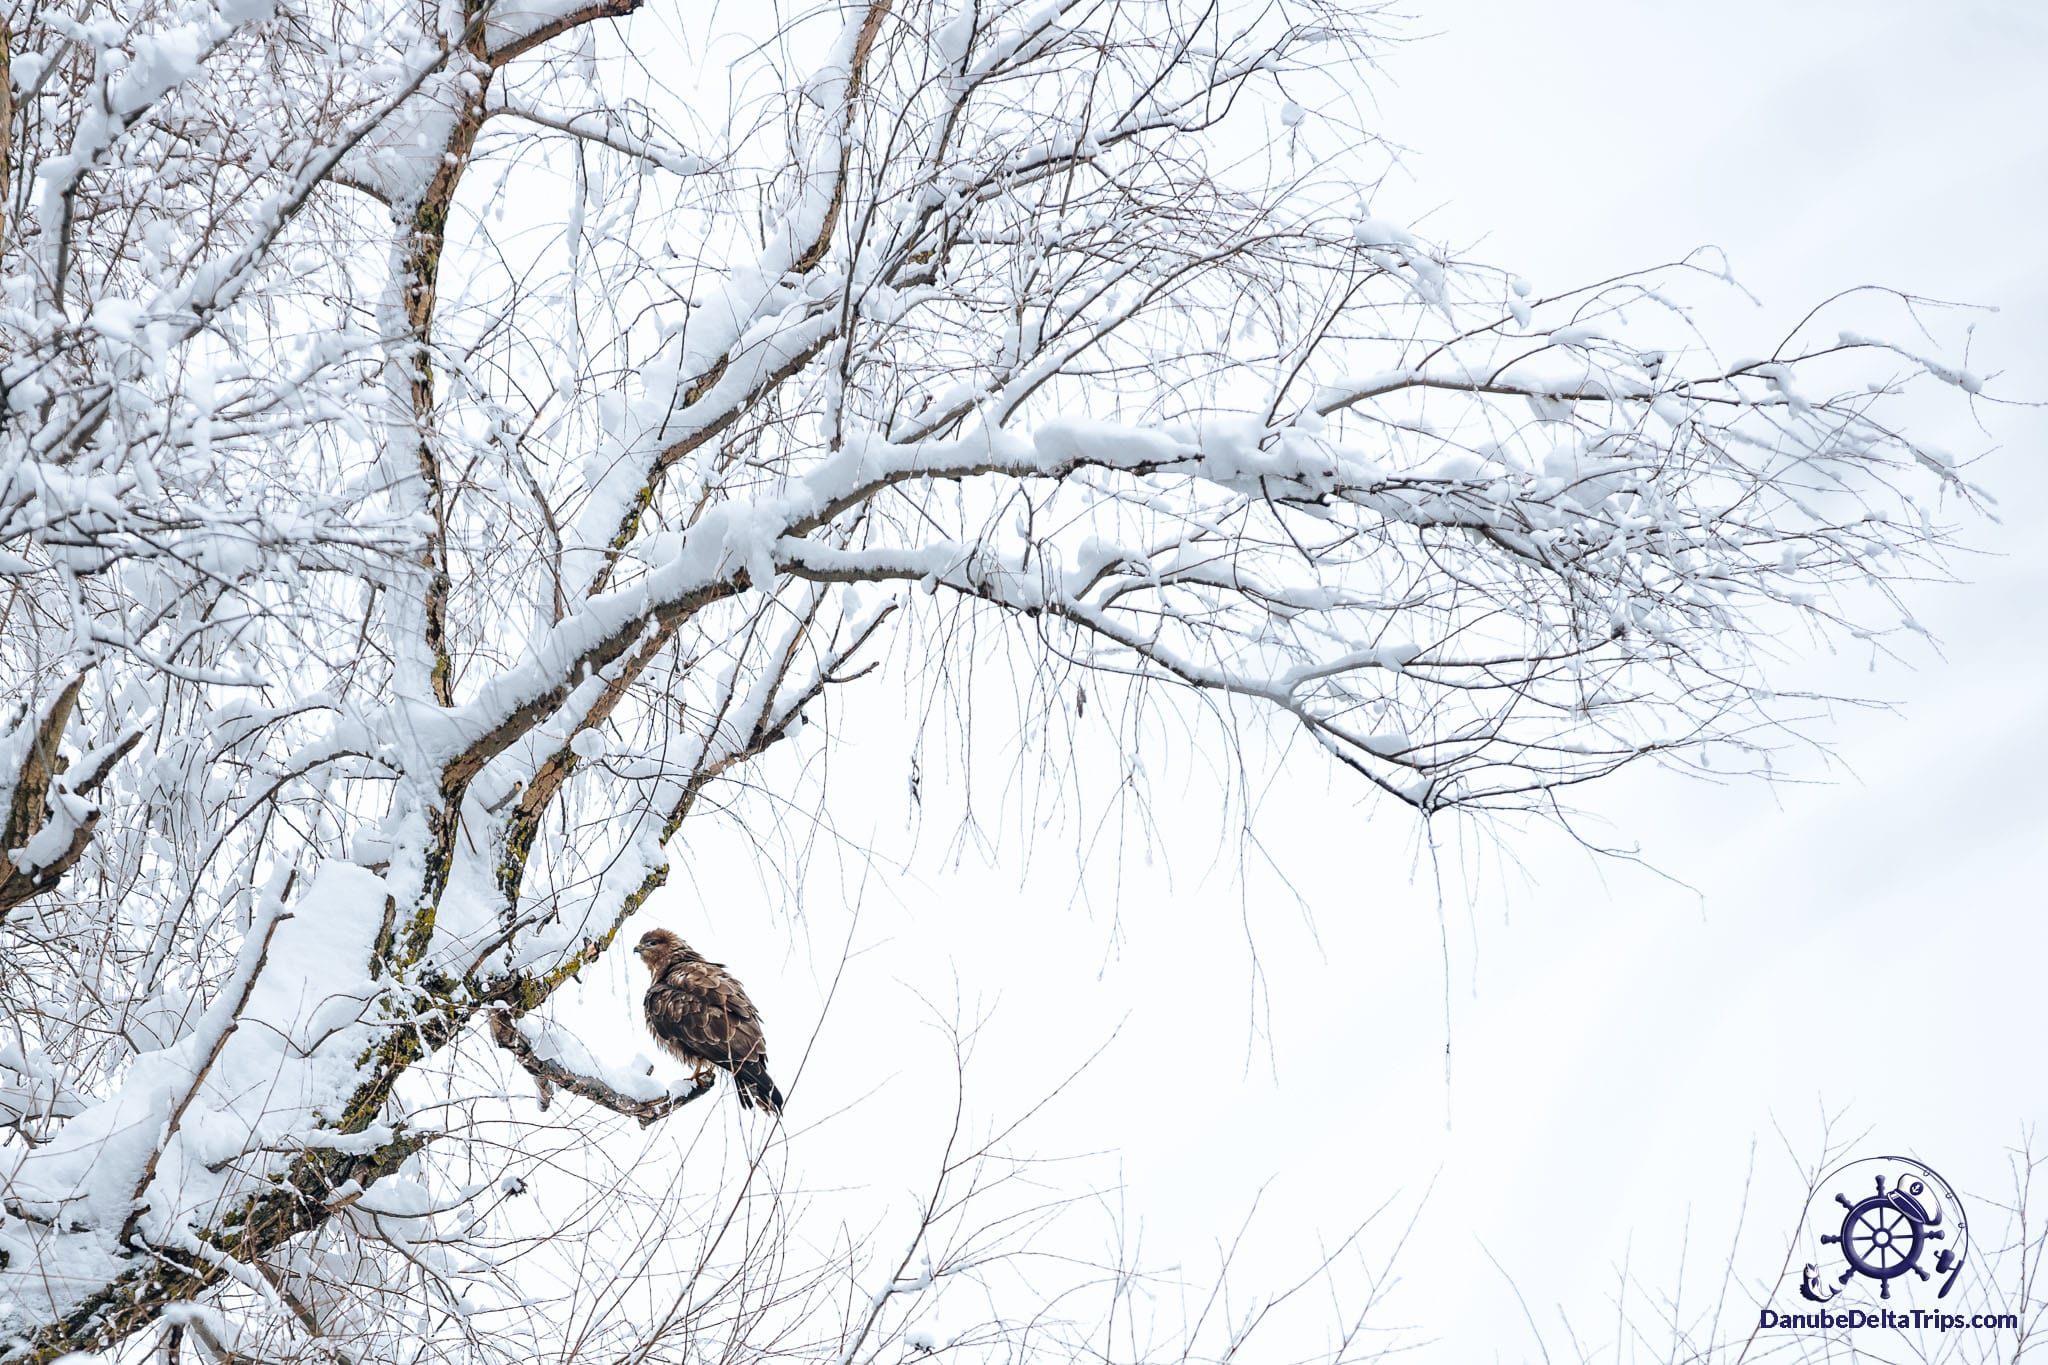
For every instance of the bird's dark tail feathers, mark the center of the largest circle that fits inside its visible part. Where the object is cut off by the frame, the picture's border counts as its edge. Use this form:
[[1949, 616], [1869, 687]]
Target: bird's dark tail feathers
[[751, 1079]]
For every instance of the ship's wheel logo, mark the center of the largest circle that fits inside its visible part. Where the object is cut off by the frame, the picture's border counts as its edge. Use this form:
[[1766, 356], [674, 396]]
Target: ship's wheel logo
[[1898, 1217]]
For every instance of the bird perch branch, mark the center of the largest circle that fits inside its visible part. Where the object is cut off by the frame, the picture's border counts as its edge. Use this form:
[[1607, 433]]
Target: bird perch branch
[[550, 1073]]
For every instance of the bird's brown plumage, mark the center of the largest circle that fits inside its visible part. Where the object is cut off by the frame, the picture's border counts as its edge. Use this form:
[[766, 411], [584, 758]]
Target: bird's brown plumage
[[701, 1015]]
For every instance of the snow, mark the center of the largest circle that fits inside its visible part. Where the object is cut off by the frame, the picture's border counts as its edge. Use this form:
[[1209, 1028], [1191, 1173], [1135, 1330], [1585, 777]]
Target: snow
[[1963, 379], [116, 317], [246, 11], [256, 1074], [952, 39], [49, 844], [554, 1043], [1370, 231], [400, 151], [25, 69], [1577, 335], [1069, 441], [510, 20]]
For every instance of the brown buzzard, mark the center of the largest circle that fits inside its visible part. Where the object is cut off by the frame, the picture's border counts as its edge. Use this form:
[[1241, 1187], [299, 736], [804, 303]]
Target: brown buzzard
[[701, 1015]]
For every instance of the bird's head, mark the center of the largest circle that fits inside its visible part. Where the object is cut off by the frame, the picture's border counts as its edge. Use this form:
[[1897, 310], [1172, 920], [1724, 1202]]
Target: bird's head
[[656, 945]]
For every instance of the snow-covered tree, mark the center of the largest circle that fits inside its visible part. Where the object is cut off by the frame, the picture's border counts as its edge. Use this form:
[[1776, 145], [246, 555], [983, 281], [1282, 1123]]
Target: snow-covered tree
[[443, 442]]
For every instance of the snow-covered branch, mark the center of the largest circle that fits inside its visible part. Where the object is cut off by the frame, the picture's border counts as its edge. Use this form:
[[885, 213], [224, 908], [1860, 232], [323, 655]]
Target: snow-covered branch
[[551, 1072]]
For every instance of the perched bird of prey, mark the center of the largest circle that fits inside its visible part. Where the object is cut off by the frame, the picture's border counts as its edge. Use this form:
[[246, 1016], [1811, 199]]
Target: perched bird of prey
[[701, 1015]]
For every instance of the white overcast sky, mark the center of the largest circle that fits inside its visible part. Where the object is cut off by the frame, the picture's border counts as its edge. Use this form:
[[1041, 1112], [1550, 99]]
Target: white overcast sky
[[1871, 944]]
